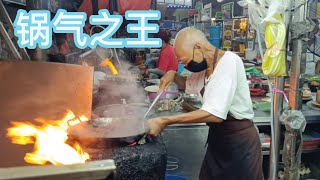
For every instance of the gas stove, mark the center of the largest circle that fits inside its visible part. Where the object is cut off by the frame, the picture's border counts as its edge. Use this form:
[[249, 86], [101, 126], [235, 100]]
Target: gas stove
[[139, 162]]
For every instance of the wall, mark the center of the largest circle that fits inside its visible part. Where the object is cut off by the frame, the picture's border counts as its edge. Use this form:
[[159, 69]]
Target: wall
[[181, 14], [175, 14]]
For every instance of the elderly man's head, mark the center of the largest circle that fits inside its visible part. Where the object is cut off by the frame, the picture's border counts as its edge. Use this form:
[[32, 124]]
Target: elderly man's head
[[191, 43]]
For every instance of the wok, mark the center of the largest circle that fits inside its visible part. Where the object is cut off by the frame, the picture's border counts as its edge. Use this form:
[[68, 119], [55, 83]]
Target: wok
[[116, 125]]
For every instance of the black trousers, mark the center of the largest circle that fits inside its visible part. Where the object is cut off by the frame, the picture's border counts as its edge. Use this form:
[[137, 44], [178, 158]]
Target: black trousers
[[233, 153]]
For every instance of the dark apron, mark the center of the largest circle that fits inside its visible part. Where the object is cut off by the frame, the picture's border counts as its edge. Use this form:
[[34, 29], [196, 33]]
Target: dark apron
[[233, 152]]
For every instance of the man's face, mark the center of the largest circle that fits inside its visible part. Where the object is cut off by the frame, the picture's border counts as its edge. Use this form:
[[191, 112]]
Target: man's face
[[185, 55]]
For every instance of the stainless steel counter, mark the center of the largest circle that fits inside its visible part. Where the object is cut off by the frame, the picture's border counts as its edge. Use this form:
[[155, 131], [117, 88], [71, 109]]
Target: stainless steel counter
[[264, 118], [185, 149]]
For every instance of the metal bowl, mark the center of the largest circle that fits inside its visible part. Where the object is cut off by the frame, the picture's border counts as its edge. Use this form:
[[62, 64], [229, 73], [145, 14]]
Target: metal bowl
[[171, 93], [191, 98]]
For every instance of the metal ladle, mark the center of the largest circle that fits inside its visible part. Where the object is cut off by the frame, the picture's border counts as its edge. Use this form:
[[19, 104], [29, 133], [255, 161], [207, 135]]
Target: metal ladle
[[143, 139], [153, 103]]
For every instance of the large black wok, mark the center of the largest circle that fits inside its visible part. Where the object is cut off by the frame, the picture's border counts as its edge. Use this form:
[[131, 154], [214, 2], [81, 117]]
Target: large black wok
[[116, 125]]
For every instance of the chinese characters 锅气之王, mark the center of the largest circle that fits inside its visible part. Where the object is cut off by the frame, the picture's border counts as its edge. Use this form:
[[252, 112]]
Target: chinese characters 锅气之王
[[34, 28]]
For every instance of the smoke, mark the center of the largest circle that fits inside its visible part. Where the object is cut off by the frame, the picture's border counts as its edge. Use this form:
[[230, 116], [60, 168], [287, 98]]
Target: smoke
[[111, 92], [115, 89]]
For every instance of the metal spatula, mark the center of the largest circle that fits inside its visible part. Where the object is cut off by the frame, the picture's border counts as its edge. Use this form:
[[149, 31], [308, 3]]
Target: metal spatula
[[153, 103]]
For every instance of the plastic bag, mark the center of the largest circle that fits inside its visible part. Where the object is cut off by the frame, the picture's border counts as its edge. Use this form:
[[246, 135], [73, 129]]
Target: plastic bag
[[264, 17], [274, 62], [259, 14], [276, 7], [256, 13], [295, 124], [293, 120]]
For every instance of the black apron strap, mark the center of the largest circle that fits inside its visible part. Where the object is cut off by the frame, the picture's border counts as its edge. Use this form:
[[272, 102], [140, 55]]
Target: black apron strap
[[215, 57]]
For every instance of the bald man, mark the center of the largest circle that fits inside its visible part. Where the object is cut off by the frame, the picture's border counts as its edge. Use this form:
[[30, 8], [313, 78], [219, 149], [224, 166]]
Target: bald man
[[234, 149]]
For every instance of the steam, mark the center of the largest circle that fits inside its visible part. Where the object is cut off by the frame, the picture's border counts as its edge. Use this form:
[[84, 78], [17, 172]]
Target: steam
[[114, 89]]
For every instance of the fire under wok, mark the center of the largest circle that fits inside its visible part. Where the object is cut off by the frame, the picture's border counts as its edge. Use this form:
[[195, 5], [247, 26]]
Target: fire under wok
[[115, 125]]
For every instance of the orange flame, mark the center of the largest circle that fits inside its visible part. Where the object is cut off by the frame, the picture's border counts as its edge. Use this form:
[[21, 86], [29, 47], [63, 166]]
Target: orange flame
[[49, 141], [108, 63]]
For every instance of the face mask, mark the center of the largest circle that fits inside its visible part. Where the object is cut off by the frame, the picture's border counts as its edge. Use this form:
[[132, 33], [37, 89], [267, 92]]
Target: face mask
[[194, 66]]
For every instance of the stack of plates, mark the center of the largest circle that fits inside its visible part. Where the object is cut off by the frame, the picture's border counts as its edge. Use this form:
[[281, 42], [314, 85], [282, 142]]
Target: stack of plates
[[316, 104], [313, 105], [306, 97]]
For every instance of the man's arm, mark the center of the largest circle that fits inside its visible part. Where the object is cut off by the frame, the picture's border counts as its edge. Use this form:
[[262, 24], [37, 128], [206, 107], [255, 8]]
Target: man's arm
[[198, 116], [180, 81]]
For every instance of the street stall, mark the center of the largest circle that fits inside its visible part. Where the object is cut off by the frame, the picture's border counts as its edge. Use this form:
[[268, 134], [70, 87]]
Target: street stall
[[81, 113], [267, 114]]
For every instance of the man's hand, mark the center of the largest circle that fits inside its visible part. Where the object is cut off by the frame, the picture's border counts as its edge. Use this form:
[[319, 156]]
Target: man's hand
[[167, 80], [156, 126]]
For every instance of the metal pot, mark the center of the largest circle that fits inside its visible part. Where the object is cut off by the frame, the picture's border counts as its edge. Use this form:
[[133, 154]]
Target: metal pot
[[194, 98]]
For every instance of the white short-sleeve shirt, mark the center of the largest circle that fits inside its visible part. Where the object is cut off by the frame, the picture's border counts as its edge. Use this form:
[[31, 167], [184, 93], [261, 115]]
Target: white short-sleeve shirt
[[226, 89]]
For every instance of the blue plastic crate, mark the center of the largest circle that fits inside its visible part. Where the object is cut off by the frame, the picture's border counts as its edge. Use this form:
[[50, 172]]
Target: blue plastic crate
[[215, 32], [216, 42]]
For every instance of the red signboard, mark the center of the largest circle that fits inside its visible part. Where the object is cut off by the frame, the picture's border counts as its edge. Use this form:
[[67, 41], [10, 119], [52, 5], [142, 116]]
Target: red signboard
[[192, 12]]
